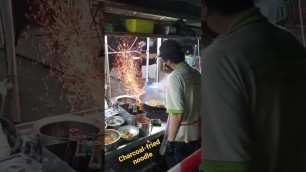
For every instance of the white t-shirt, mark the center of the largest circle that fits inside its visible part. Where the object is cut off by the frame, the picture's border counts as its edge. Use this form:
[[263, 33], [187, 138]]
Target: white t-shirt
[[183, 96]]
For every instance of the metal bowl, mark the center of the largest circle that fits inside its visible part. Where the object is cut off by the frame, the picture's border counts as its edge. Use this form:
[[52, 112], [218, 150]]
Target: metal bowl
[[131, 129], [115, 135], [114, 122]]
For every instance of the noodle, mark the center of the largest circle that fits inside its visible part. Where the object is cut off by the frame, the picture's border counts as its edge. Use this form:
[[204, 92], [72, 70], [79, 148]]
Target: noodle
[[109, 140], [155, 103]]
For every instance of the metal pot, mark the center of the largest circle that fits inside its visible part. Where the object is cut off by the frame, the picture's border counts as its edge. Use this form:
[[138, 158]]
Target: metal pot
[[144, 125], [115, 135], [53, 130]]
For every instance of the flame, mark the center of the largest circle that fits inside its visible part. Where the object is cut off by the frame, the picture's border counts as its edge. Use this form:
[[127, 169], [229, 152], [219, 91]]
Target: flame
[[128, 70], [70, 53]]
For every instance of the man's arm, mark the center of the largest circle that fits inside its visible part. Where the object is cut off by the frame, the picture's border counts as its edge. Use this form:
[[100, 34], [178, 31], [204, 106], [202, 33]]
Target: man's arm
[[151, 56], [175, 105], [175, 123]]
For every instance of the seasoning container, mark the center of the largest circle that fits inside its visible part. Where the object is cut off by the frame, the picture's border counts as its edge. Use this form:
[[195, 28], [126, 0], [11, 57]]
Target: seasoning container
[[80, 160], [95, 163], [72, 145]]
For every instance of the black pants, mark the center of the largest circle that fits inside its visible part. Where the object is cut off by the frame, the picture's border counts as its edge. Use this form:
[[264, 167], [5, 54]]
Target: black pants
[[183, 150]]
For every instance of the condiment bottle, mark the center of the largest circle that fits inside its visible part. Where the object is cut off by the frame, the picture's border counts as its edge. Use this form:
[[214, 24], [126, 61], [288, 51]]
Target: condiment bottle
[[95, 163], [134, 112], [140, 107], [130, 109], [72, 145], [80, 160]]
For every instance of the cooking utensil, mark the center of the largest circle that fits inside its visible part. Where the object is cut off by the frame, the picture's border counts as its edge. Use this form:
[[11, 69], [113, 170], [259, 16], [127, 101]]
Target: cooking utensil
[[55, 129], [124, 101], [155, 112], [114, 122], [131, 129], [146, 97], [113, 134], [144, 125]]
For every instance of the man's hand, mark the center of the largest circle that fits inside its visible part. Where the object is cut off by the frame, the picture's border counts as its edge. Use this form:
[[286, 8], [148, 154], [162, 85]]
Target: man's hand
[[170, 149]]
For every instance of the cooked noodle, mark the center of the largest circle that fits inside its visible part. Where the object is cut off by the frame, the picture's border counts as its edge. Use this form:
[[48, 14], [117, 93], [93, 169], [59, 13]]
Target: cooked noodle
[[155, 103], [127, 134], [109, 140]]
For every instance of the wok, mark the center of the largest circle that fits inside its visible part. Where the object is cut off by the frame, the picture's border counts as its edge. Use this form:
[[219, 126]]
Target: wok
[[124, 101], [153, 96]]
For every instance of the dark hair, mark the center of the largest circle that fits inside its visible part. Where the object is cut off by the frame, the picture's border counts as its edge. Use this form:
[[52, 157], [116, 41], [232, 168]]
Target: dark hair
[[172, 50], [228, 7], [176, 57]]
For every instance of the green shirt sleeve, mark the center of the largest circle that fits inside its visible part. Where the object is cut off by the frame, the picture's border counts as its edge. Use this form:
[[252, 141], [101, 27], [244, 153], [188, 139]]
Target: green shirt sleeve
[[175, 95]]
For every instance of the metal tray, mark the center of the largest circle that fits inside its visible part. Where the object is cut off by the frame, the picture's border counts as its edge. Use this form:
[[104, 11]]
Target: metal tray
[[21, 163]]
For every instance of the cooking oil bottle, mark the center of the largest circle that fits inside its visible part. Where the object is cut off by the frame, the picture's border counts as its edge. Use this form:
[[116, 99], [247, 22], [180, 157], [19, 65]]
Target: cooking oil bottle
[[95, 163], [72, 145], [80, 160]]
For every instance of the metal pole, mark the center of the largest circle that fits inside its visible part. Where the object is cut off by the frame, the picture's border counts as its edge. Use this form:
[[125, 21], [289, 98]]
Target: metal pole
[[200, 65], [1, 29], [158, 60], [302, 22], [198, 47], [108, 82], [6, 7], [148, 56]]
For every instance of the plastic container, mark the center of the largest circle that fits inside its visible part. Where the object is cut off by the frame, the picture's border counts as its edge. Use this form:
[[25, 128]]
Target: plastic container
[[154, 87], [139, 26]]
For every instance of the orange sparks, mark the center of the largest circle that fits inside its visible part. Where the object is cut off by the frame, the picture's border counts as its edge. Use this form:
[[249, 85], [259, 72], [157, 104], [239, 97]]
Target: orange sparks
[[71, 53], [128, 69]]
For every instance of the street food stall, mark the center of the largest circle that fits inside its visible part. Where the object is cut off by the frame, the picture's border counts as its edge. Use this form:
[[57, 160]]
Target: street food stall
[[130, 123], [139, 121], [115, 60], [135, 84]]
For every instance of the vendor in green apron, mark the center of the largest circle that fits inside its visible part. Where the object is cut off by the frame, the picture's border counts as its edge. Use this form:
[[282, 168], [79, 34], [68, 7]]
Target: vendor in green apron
[[253, 92], [182, 103]]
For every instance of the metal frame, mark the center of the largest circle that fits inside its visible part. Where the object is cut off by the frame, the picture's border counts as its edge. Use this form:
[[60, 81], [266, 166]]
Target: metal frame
[[147, 59], [1, 28], [9, 45], [302, 22], [106, 67], [158, 59]]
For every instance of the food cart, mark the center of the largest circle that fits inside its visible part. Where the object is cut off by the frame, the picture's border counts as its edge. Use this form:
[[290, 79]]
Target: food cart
[[140, 153], [44, 141]]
